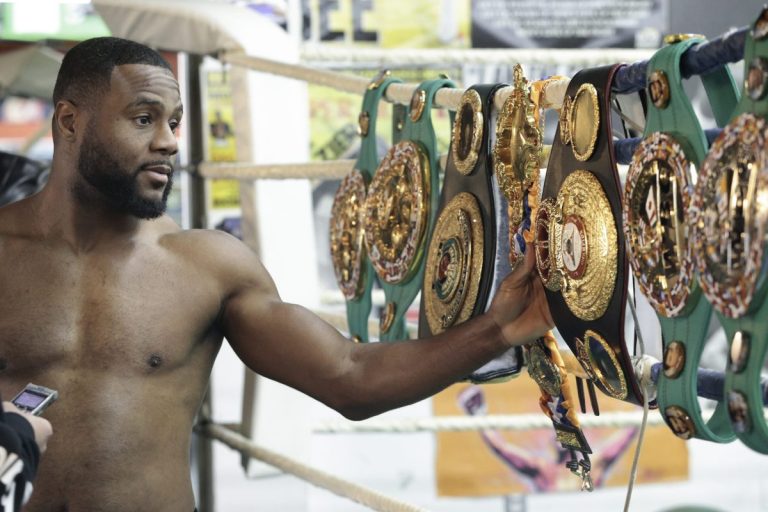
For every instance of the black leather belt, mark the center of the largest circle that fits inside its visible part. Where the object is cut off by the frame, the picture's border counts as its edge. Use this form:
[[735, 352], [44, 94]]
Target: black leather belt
[[580, 240]]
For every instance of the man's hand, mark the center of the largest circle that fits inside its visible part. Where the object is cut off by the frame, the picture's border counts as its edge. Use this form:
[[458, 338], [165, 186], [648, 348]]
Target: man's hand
[[41, 426], [520, 306]]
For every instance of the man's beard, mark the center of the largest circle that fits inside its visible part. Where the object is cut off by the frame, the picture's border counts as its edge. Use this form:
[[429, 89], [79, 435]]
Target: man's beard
[[116, 183]]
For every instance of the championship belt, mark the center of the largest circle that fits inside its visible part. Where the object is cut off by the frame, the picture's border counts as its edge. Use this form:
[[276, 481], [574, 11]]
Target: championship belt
[[517, 156], [459, 268], [579, 244], [400, 210], [730, 212], [517, 159], [353, 270], [656, 223], [461, 256]]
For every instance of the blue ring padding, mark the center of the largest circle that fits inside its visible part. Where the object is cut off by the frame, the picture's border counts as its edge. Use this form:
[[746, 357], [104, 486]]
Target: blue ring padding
[[699, 59], [710, 383], [624, 148]]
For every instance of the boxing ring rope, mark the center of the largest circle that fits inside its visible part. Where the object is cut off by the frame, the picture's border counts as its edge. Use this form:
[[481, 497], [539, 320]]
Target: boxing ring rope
[[373, 499], [325, 170], [516, 422], [337, 169], [333, 56], [698, 60], [370, 498], [399, 93]]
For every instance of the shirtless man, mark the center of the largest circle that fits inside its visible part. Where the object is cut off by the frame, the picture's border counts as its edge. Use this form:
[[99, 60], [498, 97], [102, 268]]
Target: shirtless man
[[107, 300]]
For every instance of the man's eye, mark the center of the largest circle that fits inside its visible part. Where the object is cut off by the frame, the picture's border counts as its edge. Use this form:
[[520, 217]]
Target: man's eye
[[143, 120], [174, 125]]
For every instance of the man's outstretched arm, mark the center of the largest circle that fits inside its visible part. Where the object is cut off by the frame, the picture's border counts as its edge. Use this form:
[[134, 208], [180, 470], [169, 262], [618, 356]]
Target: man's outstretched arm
[[290, 344]]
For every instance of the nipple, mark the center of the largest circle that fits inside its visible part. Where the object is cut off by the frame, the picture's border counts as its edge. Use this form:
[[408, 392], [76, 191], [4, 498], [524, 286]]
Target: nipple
[[154, 361]]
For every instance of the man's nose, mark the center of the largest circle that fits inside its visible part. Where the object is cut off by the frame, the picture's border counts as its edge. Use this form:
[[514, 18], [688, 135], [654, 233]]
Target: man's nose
[[165, 141]]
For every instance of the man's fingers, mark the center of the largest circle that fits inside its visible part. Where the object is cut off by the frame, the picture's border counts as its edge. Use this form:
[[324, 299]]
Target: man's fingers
[[529, 263], [521, 275]]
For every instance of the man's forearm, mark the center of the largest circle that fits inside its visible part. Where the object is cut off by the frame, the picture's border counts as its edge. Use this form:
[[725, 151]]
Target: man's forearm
[[383, 376]]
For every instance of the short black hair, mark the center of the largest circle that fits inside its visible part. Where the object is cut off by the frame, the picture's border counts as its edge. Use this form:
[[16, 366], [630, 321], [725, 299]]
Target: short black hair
[[86, 69]]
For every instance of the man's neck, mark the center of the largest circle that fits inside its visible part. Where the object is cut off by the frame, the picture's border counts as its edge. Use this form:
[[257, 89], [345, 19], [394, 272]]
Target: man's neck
[[82, 218]]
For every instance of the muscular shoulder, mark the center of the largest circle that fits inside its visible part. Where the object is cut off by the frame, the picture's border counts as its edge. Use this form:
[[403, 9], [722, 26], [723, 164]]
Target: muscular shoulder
[[14, 219], [222, 256]]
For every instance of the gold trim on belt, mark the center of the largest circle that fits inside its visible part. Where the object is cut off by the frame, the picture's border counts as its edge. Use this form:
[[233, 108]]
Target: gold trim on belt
[[467, 133]]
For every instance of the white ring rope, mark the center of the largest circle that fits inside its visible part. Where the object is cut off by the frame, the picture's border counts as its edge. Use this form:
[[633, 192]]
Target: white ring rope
[[331, 169], [406, 57], [370, 498], [515, 422], [323, 170], [552, 96]]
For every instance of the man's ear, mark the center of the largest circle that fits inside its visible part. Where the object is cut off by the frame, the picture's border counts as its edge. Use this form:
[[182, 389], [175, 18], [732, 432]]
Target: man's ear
[[64, 118]]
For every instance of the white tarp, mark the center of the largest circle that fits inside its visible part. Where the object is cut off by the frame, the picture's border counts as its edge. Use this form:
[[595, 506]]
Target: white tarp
[[192, 26], [29, 71]]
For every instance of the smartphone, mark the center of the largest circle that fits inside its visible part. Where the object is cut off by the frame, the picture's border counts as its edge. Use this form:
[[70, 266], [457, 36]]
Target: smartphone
[[35, 399]]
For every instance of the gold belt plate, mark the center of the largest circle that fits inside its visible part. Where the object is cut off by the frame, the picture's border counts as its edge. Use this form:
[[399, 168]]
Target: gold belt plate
[[397, 212], [601, 364], [454, 264], [587, 252], [730, 211], [546, 239], [656, 223], [346, 232], [580, 121]]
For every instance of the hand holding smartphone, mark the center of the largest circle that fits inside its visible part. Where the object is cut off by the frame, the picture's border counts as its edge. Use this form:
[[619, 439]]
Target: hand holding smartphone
[[35, 399]]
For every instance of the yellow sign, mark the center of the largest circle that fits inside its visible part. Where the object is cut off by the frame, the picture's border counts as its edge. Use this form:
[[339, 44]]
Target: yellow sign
[[395, 23], [221, 137]]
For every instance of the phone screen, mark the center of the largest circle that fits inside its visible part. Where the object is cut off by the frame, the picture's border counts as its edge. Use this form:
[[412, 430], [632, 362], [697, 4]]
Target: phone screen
[[29, 400]]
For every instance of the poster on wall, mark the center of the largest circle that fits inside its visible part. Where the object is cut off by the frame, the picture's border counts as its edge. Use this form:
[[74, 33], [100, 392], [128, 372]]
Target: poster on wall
[[568, 23], [505, 462], [221, 144]]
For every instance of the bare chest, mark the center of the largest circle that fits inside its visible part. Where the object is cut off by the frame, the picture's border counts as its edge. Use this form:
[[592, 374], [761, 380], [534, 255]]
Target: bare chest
[[137, 312]]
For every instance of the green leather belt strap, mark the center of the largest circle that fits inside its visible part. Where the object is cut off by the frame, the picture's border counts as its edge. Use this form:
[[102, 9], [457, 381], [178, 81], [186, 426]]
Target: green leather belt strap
[[743, 387], [689, 328], [678, 118], [752, 50], [421, 131], [359, 309], [399, 115]]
